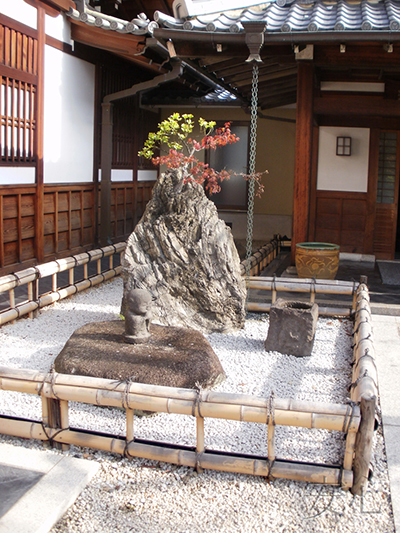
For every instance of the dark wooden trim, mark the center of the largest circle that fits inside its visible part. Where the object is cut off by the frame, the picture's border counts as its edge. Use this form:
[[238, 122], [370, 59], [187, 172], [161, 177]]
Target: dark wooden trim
[[52, 7], [313, 191], [17, 189], [372, 54], [52, 187], [123, 45], [17, 74], [303, 151], [356, 105], [59, 45], [18, 26], [373, 164], [340, 194], [39, 204], [1, 233], [382, 123]]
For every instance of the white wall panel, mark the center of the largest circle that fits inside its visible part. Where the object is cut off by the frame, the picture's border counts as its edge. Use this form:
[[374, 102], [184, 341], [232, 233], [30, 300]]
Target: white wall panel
[[59, 28], [20, 11], [343, 173], [17, 175], [68, 118]]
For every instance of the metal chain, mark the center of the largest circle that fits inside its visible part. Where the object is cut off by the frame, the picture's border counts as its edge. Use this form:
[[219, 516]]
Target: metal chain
[[252, 165]]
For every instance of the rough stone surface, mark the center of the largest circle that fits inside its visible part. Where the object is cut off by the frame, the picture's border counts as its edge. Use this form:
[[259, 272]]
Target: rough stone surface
[[173, 357], [292, 327], [186, 257]]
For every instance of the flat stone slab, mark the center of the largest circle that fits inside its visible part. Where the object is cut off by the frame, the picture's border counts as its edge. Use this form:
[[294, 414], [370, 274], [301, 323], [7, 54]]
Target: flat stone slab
[[53, 482], [173, 357]]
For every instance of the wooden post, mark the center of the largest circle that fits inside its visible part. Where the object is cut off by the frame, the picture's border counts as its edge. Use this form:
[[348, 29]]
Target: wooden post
[[54, 419], [363, 447], [106, 162], [303, 153], [39, 200]]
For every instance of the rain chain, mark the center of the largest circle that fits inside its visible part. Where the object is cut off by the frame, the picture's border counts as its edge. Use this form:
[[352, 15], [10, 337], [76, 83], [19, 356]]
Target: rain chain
[[252, 166]]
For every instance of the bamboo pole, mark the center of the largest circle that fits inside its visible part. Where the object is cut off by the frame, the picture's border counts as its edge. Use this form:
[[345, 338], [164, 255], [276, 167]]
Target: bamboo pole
[[64, 420], [12, 299], [199, 441], [36, 378], [178, 401], [302, 285], [312, 473], [129, 424], [322, 311]]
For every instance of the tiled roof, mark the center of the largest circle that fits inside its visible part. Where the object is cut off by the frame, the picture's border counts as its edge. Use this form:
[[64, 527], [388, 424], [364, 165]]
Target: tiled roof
[[140, 25], [298, 16], [279, 15]]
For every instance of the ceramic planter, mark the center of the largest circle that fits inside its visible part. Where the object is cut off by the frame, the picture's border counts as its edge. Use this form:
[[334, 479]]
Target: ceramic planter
[[318, 260]]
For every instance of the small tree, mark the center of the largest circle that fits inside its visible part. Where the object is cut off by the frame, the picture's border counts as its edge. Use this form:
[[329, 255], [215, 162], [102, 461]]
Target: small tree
[[174, 132]]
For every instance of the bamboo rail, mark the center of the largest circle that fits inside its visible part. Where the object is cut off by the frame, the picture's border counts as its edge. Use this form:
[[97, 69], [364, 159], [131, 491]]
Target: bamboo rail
[[303, 286], [61, 389], [364, 388], [254, 265], [31, 276]]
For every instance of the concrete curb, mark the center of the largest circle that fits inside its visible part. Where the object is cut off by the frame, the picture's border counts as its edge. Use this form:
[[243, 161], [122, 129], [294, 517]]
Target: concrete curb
[[40, 507], [386, 331]]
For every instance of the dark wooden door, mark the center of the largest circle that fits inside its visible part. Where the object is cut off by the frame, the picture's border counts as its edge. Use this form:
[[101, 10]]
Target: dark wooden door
[[387, 193]]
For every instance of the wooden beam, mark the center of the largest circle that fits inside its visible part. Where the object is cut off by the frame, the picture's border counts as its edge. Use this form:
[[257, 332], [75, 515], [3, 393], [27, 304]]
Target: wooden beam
[[124, 45], [357, 55], [52, 7], [353, 105], [303, 154]]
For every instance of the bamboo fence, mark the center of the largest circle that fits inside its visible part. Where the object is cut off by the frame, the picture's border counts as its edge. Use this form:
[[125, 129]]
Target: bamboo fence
[[31, 277], [356, 420], [56, 390]]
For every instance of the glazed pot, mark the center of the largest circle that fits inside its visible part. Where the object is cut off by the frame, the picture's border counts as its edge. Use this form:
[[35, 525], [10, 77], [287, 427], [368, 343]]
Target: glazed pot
[[318, 260]]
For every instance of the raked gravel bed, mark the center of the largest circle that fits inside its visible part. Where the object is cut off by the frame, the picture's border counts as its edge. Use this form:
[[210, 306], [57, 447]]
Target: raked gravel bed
[[140, 495]]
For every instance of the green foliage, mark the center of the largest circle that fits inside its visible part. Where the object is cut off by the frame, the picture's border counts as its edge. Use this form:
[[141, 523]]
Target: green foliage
[[173, 132]]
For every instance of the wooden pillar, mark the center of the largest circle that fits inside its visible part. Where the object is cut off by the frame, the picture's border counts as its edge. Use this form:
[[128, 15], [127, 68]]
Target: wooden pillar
[[106, 162], [303, 157], [39, 207]]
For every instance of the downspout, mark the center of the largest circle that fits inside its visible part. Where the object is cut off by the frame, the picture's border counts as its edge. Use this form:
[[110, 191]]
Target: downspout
[[106, 142]]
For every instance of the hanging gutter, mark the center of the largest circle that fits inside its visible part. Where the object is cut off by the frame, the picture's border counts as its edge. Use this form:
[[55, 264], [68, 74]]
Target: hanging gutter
[[176, 71], [277, 37]]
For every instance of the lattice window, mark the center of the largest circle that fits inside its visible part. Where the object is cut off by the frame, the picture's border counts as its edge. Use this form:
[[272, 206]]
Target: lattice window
[[17, 105], [387, 167]]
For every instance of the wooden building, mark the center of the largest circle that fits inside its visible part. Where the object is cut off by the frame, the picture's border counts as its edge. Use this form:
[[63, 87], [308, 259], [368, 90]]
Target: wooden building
[[329, 115], [53, 82]]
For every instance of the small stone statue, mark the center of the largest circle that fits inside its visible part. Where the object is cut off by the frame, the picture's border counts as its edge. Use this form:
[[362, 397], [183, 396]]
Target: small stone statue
[[138, 316]]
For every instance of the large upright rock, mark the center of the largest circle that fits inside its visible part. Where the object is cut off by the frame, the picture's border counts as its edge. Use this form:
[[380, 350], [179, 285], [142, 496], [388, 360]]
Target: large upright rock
[[185, 256]]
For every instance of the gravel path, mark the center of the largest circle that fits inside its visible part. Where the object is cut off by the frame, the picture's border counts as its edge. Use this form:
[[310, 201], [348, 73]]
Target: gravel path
[[141, 495]]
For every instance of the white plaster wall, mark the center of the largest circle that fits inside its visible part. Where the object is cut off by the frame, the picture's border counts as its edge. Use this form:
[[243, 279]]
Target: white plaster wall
[[20, 11], [17, 175], [119, 174], [59, 28], [343, 173], [147, 175], [127, 175], [68, 118]]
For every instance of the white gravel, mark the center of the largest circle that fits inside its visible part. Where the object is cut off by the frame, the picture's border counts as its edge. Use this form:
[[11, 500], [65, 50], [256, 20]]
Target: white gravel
[[140, 495]]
